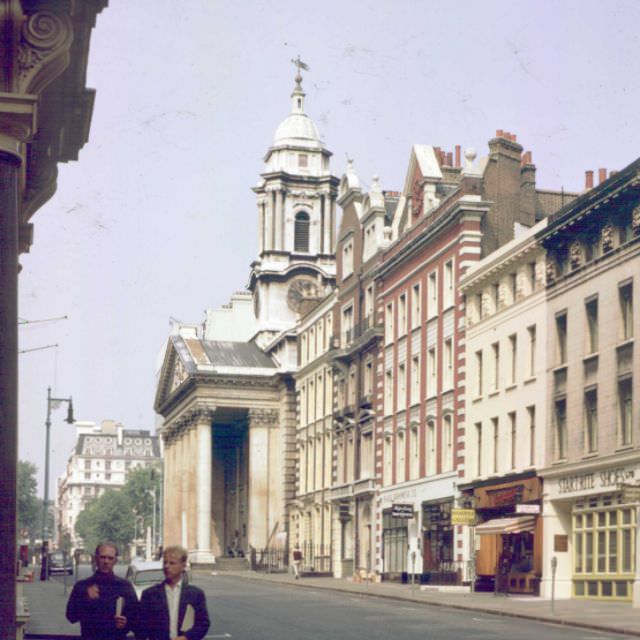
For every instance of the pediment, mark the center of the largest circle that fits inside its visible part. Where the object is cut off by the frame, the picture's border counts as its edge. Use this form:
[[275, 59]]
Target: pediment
[[173, 372]]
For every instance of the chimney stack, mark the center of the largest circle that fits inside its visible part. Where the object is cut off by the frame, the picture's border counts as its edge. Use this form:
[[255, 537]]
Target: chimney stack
[[602, 175], [458, 155], [450, 159], [588, 179]]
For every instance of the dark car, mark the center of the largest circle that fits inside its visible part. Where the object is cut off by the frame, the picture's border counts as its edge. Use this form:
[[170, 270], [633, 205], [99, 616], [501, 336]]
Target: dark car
[[60, 563]]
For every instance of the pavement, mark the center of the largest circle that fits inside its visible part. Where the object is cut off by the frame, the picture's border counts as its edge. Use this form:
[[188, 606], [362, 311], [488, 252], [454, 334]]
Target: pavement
[[47, 602]]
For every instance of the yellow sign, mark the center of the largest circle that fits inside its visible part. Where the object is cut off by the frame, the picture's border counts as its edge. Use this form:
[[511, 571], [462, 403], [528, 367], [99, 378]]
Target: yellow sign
[[463, 516]]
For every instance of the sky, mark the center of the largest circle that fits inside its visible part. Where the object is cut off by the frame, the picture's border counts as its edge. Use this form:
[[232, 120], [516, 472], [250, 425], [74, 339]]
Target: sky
[[157, 219]]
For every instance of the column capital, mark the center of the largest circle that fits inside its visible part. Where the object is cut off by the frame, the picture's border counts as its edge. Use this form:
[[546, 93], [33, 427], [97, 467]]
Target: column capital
[[18, 122], [263, 418], [201, 412]]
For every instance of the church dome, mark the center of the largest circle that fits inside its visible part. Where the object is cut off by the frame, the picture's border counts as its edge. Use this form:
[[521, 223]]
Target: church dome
[[297, 129]]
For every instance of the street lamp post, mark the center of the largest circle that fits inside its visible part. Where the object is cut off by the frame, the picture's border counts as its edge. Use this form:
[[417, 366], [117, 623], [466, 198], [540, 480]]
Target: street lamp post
[[52, 403]]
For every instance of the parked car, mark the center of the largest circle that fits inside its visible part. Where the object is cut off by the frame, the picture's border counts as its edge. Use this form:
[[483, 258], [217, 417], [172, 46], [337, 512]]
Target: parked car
[[142, 574], [60, 563]]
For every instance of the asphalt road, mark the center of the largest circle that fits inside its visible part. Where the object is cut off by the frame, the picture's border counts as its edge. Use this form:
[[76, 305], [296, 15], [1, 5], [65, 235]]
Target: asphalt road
[[246, 610]]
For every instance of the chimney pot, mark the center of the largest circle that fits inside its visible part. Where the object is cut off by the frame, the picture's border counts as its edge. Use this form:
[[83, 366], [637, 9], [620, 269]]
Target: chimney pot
[[499, 133], [602, 175], [514, 137], [458, 150], [588, 179], [450, 159]]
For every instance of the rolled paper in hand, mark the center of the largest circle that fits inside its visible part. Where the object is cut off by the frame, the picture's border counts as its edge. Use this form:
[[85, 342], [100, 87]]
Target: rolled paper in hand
[[119, 605], [188, 620]]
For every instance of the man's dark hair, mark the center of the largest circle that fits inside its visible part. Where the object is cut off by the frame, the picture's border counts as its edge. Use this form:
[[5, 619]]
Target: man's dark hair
[[106, 544]]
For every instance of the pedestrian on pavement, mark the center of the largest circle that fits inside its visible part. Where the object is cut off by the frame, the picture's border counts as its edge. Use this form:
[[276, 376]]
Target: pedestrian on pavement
[[297, 560], [105, 605], [172, 608]]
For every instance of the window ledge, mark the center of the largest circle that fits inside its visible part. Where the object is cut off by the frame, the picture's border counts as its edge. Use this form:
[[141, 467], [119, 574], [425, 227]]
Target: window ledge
[[529, 380], [511, 387], [625, 343], [477, 399], [560, 367], [491, 394], [624, 447], [589, 456], [560, 461], [590, 356]]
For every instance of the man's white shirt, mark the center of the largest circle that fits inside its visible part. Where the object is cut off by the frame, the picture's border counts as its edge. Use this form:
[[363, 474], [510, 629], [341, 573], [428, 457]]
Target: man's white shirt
[[173, 602]]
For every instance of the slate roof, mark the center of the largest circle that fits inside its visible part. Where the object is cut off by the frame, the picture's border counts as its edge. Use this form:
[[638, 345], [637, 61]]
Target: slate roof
[[236, 354]]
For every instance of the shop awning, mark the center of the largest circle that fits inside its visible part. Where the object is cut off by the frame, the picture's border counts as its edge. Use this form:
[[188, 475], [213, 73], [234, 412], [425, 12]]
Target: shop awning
[[518, 524]]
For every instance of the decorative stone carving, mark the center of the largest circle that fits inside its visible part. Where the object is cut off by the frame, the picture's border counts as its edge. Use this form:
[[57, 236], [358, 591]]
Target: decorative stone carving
[[575, 254], [607, 237], [635, 220], [263, 418], [43, 52], [179, 374], [550, 270]]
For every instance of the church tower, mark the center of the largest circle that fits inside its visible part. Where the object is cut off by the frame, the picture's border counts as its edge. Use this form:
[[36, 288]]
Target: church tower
[[296, 200]]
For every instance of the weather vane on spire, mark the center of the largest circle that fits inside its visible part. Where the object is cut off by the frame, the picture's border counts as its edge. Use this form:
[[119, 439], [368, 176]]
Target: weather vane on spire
[[299, 65]]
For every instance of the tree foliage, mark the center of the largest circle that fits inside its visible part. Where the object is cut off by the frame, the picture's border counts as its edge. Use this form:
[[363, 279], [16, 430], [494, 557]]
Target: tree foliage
[[109, 517], [29, 506], [116, 514], [140, 485]]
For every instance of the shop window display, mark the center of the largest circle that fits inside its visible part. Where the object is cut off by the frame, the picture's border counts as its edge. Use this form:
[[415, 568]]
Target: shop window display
[[603, 549]]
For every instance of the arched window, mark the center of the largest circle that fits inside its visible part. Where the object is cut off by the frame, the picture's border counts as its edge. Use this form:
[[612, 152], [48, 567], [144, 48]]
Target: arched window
[[301, 232]]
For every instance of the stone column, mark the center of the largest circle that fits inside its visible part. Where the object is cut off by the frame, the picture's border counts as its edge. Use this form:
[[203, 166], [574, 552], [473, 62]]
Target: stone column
[[9, 168], [260, 518], [203, 422]]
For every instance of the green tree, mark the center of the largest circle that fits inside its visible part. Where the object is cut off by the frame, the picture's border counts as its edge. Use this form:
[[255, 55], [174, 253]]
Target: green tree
[[109, 517], [139, 488], [29, 506]]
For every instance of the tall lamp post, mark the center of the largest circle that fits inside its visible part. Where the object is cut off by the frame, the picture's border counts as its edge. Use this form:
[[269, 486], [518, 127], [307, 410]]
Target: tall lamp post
[[52, 403]]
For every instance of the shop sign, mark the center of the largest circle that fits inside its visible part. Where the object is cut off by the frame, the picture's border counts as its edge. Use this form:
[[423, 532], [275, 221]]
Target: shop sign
[[506, 496], [402, 511], [463, 516], [528, 508], [605, 479]]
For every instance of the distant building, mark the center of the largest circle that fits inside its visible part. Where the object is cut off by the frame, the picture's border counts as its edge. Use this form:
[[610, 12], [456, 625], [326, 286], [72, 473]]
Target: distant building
[[101, 459]]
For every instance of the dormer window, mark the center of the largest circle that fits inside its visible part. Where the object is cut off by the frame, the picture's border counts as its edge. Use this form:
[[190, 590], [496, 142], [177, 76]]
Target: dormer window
[[301, 232]]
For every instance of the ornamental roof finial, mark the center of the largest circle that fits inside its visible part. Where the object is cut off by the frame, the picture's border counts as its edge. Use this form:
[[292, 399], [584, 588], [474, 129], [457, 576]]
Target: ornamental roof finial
[[299, 65]]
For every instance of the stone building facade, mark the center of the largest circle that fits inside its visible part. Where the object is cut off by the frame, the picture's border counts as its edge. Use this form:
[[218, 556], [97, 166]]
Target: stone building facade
[[593, 396], [505, 408]]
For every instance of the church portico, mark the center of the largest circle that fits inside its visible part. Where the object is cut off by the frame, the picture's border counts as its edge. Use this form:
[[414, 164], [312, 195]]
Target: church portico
[[226, 390]]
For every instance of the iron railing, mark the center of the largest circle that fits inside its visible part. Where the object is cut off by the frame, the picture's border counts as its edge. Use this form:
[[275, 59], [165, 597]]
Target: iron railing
[[316, 558], [270, 560]]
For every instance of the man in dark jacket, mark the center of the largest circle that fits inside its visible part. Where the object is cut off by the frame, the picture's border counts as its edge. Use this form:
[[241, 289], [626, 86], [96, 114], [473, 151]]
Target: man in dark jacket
[[173, 609], [105, 605]]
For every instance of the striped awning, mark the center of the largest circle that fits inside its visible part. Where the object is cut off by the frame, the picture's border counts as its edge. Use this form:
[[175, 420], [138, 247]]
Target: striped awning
[[518, 524]]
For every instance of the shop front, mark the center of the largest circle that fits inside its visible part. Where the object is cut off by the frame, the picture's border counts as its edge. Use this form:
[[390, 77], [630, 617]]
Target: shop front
[[508, 534], [439, 564], [418, 541], [590, 515]]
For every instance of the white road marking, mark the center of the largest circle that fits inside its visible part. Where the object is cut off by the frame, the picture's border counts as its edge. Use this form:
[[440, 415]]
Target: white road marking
[[219, 635]]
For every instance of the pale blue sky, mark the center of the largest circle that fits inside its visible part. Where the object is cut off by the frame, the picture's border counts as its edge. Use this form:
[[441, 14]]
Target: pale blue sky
[[158, 217]]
